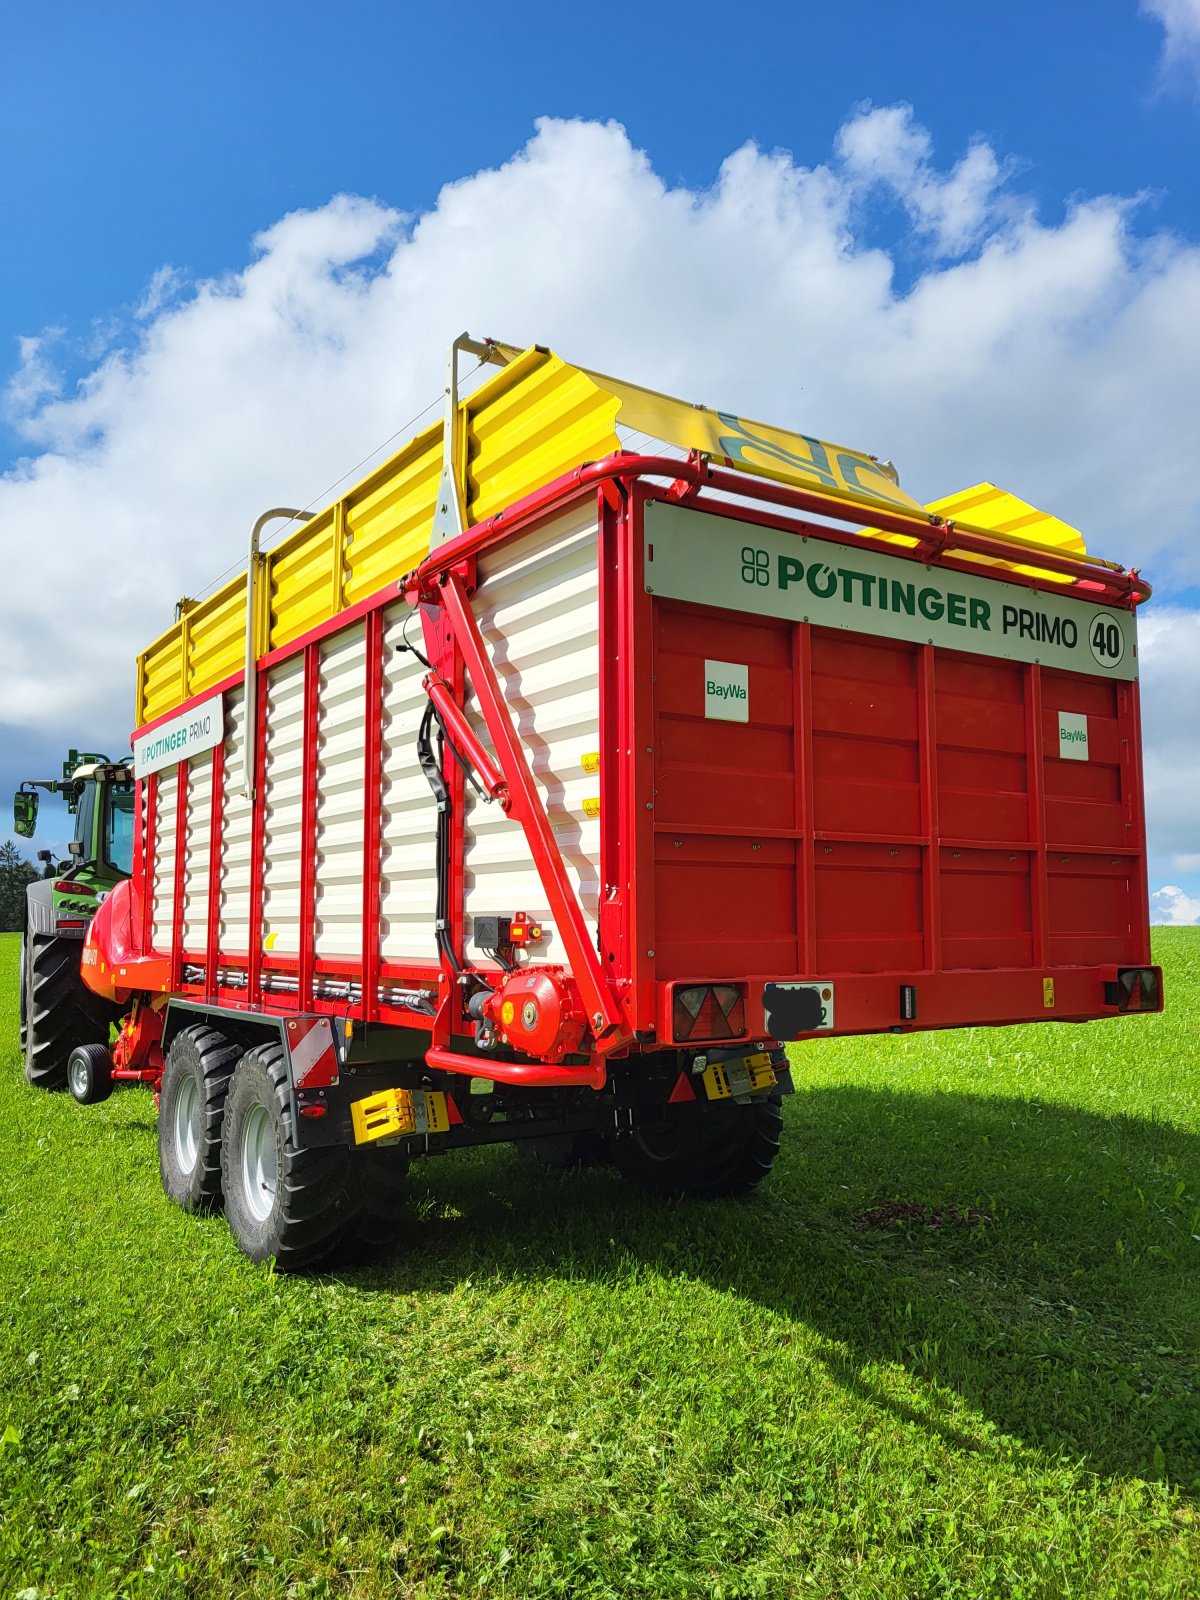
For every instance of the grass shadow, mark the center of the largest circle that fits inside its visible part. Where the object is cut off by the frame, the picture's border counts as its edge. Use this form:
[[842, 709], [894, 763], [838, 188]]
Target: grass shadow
[[1058, 1293]]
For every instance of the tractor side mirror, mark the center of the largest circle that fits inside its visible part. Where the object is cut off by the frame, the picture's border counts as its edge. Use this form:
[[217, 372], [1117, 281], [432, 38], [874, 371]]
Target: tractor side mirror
[[25, 810]]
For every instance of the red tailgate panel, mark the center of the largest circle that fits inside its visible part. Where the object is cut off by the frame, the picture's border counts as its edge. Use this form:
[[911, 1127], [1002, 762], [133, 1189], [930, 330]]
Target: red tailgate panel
[[886, 808]]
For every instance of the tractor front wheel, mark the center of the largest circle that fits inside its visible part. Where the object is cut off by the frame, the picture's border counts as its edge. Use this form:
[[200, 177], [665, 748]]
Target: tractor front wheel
[[89, 1074]]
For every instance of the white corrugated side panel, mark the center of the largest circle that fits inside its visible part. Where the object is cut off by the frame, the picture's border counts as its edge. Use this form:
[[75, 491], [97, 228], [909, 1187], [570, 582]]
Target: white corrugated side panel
[[282, 799], [340, 740], [407, 880], [235, 834], [164, 859], [538, 608], [195, 861]]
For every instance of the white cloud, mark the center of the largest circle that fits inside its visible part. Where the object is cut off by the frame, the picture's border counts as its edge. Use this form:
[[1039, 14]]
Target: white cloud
[[1169, 652], [1062, 361], [1181, 32], [1172, 906], [883, 145]]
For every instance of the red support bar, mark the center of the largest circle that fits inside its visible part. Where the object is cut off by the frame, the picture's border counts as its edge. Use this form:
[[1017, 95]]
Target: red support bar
[[604, 1015], [931, 889], [181, 800], [308, 822], [462, 737], [150, 788], [806, 865], [1036, 791], [933, 538], [372, 814], [535, 1074], [216, 815], [258, 831]]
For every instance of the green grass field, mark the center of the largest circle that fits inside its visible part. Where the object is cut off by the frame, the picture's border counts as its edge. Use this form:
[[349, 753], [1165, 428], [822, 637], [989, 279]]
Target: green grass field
[[557, 1387]]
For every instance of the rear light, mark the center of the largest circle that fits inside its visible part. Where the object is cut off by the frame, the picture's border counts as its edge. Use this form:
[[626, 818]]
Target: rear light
[[78, 891], [706, 1011], [1136, 989]]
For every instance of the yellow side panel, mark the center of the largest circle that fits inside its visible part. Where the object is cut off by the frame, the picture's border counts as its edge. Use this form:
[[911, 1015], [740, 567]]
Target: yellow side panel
[[533, 420], [996, 511], [162, 676], [794, 458], [217, 637], [388, 518], [300, 582], [550, 421]]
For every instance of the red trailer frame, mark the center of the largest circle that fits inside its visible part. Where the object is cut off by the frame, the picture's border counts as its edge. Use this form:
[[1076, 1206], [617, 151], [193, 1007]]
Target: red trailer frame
[[618, 998]]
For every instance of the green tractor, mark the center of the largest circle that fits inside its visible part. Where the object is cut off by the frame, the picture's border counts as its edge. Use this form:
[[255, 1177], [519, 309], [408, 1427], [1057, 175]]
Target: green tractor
[[58, 1011]]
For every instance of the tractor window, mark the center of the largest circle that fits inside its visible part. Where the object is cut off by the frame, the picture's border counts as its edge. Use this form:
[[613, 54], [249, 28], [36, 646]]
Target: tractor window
[[85, 811], [118, 836]]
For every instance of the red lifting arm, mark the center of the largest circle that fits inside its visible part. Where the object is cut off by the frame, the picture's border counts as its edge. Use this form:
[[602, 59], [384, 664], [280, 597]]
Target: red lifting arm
[[605, 1018]]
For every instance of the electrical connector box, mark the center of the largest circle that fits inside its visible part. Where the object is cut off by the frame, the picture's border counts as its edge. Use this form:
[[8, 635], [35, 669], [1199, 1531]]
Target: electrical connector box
[[493, 933]]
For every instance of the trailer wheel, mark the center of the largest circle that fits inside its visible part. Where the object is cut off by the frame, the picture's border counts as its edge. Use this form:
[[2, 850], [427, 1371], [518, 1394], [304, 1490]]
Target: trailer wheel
[[191, 1104], [60, 1010], [280, 1201], [89, 1074], [383, 1196], [706, 1150]]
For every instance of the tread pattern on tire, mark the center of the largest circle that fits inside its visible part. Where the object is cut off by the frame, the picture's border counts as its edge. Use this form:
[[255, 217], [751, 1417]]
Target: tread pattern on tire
[[60, 1010], [718, 1151], [210, 1056], [325, 1196]]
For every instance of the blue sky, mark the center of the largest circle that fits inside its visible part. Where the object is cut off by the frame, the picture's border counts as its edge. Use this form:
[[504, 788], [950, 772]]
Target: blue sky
[[964, 234]]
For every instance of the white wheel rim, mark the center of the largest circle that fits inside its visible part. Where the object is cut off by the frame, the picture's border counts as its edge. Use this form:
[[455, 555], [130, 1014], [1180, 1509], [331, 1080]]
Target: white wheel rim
[[78, 1073], [260, 1163], [187, 1125]]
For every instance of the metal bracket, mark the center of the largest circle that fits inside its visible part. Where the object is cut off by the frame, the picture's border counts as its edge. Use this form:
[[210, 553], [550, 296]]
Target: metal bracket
[[450, 508], [250, 687]]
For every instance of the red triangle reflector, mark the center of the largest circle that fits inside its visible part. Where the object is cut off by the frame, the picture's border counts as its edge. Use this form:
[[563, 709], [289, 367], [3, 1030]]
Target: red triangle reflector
[[453, 1114], [682, 1091]]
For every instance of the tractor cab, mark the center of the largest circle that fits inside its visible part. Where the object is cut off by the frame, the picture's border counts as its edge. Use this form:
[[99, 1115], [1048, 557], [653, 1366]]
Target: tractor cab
[[100, 797]]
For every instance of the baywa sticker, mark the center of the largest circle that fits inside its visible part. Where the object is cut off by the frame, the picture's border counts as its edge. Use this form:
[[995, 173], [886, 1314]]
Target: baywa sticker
[[727, 691]]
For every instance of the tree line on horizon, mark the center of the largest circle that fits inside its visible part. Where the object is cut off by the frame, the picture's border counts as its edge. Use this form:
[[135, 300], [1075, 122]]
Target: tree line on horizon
[[16, 873]]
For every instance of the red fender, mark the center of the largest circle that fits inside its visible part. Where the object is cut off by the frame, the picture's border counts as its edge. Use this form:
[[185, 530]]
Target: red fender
[[114, 966]]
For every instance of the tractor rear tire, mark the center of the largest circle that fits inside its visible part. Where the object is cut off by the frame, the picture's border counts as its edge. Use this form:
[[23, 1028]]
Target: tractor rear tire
[[707, 1150], [191, 1105], [89, 1074], [61, 1012], [22, 1000], [296, 1206]]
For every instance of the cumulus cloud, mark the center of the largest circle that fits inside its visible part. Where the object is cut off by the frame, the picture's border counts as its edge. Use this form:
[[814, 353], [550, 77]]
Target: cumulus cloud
[[885, 146], [1061, 360], [1180, 21], [1170, 905], [1169, 651]]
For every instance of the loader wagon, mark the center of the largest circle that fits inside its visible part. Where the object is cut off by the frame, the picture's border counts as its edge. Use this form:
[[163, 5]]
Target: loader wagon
[[546, 785]]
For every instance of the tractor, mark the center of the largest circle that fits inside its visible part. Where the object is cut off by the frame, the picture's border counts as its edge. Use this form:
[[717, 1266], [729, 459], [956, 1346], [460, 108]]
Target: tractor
[[58, 1011]]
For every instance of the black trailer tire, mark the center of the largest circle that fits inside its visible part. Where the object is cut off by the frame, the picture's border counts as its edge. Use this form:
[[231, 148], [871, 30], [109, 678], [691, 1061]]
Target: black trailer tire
[[281, 1202], [60, 1010], [89, 1074], [708, 1150], [191, 1105], [382, 1179], [569, 1152]]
